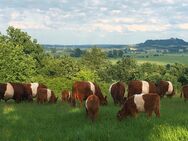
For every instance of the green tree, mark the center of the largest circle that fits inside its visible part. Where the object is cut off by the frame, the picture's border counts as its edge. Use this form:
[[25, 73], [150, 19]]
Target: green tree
[[61, 66], [151, 72], [15, 65], [95, 59], [30, 46], [77, 52]]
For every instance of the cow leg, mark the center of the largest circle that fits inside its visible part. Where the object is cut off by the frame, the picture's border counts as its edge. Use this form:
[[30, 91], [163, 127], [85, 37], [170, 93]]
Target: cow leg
[[115, 102], [149, 114], [133, 113], [157, 112], [80, 103], [86, 112]]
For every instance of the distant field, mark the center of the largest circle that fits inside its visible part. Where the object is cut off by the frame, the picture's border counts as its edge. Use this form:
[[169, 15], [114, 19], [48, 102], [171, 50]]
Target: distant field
[[166, 59], [33, 122]]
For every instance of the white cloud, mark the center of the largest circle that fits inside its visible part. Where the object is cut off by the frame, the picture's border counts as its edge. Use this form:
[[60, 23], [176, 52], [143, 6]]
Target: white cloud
[[27, 25], [148, 27], [108, 27], [97, 16], [183, 26]]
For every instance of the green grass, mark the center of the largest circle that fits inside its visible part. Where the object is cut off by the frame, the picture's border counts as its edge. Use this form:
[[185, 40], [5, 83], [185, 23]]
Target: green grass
[[30, 121], [161, 60], [166, 59]]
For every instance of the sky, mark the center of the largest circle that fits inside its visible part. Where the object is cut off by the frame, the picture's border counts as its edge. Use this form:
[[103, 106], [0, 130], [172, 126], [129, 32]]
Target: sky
[[96, 21]]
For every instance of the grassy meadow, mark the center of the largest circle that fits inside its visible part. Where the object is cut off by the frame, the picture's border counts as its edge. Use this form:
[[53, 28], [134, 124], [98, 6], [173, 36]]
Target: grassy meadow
[[161, 60], [166, 59], [30, 121]]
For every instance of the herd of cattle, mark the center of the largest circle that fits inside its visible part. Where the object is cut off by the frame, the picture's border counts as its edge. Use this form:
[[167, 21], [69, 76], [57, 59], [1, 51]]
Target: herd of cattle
[[142, 96]]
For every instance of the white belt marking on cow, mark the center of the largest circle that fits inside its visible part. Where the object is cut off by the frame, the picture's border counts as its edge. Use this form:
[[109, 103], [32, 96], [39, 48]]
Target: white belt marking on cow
[[34, 87], [111, 87], [139, 101], [170, 87], [49, 93], [92, 87], [69, 95], [145, 87], [86, 103], [9, 93]]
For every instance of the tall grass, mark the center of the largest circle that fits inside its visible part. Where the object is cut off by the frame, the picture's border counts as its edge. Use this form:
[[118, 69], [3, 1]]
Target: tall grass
[[30, 121]]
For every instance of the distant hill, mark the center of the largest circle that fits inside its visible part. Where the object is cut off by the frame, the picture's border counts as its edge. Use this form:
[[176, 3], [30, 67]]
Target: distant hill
[[161, 43], [84, 46], [172, 42]]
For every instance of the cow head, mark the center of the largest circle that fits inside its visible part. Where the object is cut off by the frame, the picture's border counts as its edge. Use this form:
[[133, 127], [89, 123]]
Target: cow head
[[123, 100], [123, 113], [104, 101]]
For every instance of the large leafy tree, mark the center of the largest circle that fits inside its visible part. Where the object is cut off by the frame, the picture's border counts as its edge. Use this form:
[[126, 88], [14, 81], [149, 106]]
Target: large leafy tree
[[64, 66], [15, 65], [95, 59], [30, 46]]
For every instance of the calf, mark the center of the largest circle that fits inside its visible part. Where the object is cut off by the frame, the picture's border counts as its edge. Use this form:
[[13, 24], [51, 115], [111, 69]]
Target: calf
[[32, 88], [46, 95], [92, 106], [117, 91], [14, 91], [82, 89], [184, 92], [66, 96], [139, 86], [165, 88], [140, 103]]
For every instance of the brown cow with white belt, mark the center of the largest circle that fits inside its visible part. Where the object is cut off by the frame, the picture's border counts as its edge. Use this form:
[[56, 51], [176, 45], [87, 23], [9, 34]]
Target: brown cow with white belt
[[66, 96], [140, 86], [46, 95], [147, 103], [82, 89], [117, 91], [184, 92], [165, 88], [32, 88], [14, 91], [92, 106]]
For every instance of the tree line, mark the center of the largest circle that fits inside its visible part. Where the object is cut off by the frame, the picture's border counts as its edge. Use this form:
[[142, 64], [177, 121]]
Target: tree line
[[22, 59]]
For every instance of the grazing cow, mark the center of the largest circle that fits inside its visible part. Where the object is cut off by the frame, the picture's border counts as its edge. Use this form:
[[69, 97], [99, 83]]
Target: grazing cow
[[82, 89], [92, 106], [184, 92], [66, 96], [46, 95], [32, 88], [165, 88], [14, 91], [140, 103], [139, 86], [117, 91]]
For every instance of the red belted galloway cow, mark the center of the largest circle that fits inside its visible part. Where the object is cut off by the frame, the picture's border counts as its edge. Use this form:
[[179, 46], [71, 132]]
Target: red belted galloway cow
[[92, 106], [147, 103], [46, 95], [14, 91], [82, 89], [184, 92], [66, 96], [165, 88], [140, 86], [32, 88], [117, 91]]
